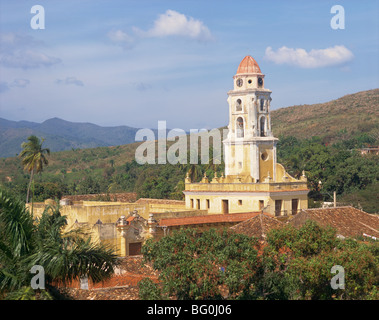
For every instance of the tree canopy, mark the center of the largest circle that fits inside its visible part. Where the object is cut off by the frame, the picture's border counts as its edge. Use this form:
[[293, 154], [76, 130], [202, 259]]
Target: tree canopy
[[65, 255], [291, 264]]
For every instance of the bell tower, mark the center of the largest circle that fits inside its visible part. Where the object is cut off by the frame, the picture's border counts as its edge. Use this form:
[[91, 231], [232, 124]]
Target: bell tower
[[250, 148]]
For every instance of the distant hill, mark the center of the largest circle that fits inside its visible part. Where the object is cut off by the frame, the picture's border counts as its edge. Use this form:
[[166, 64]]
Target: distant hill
[[338, 119], [61, 135]]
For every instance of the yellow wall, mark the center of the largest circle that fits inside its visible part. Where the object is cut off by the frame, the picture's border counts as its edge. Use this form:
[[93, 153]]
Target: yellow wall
[[90, 211], [266, 166], [242, 203]]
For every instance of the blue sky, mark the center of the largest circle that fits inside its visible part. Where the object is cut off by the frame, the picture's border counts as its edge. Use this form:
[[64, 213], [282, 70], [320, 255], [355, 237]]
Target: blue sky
[[136, 62]]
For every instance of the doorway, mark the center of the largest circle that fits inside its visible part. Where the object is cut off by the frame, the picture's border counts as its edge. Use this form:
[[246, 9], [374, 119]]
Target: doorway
[[135, 248], [295, 204], [225, 206], [278, 207]]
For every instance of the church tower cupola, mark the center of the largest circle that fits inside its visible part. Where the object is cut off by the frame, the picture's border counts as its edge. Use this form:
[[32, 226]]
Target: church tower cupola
[[253, 180], [248, 75], [250, 139]]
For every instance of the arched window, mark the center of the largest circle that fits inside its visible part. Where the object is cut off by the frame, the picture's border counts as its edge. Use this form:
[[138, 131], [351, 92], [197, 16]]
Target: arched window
[[239, 128], [263, 120], [238, 105]]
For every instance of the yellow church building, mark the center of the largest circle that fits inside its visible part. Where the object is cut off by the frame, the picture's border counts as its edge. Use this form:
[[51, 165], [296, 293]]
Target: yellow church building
[[253, 180]]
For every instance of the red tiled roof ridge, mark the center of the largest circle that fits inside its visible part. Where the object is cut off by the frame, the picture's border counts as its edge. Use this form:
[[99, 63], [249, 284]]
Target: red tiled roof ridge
[[341, 207], [210, 218], [347, 220], [331, 208], [258, 227]]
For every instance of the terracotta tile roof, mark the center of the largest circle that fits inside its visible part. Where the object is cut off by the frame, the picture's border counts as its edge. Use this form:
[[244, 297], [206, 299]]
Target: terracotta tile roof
[[248, 65], [258, 226], [211, 218], [130, 219], [348, 221]]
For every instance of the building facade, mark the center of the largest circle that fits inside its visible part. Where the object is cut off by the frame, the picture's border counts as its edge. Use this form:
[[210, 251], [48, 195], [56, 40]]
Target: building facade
[[253, 179]]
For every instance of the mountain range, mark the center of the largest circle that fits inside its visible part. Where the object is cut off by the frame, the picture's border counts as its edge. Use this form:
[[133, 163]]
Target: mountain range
[[342, 118], [61, 135]]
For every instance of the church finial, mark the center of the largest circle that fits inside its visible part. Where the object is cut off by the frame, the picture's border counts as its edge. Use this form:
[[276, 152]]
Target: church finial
[[303, 176], [205, 179], [215, 178], [187, 179]]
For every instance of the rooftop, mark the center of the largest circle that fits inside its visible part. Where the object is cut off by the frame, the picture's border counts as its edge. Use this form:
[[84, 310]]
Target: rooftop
[[258, 226], [348, 221], [248, 65], [212, 218]]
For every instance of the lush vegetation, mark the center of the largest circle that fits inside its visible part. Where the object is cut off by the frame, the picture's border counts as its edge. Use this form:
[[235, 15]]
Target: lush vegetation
[[322, 139], [33, 158], [65, 255], [339, 167], [293, 264]]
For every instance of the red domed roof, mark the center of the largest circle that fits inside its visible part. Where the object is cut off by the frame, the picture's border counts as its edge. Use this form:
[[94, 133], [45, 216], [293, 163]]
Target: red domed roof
[[248, 65]]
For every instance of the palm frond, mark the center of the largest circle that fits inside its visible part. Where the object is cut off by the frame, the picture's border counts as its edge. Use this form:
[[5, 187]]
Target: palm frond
[[18, 225]]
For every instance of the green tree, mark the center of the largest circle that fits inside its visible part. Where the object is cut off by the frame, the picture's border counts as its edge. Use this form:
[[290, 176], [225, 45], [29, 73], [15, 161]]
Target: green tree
[[300, 261], [33, 158], [64, 255], [198, 267], [294, 263]]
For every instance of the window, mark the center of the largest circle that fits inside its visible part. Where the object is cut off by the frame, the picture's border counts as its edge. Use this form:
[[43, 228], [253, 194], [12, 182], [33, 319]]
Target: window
[[240, 202], [263, 126], [135, 248], [295, 204], [262, 104], [238, 105], [225, 206], [261, 204], [239, 128], [191, 203], [278, 207], [198, 204], [208, 204]]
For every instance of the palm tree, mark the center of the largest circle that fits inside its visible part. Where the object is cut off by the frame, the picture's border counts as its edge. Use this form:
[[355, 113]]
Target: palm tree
[[64, 255], [33, 158]]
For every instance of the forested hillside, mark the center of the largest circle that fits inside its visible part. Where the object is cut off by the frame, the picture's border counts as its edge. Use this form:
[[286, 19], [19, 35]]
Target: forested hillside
[[332, 121], [332, 157]]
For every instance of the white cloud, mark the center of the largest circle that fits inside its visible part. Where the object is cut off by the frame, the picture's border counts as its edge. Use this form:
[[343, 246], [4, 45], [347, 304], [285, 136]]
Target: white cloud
[[70, 80], [19, 51], [121, 38], [316, 58], [173, 23]]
